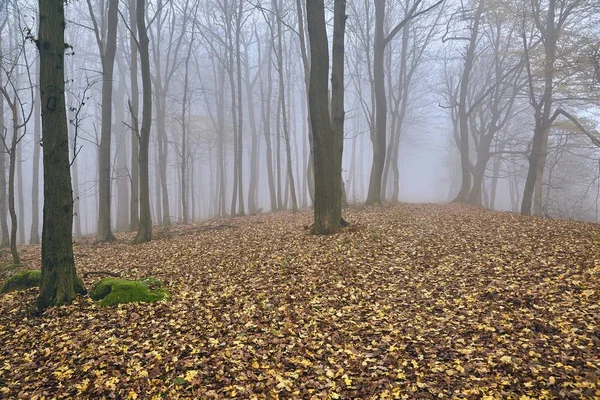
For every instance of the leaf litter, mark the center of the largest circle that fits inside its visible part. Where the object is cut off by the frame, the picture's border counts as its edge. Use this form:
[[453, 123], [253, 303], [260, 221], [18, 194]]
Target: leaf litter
[[411, 301]]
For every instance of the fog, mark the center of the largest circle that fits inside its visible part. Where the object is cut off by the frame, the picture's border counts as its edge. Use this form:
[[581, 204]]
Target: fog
[[482, 82]]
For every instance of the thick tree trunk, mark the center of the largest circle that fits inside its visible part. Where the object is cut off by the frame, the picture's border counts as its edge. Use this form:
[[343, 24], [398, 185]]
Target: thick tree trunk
[[327, 145], [60, 283], [104, 179], [145, 226]]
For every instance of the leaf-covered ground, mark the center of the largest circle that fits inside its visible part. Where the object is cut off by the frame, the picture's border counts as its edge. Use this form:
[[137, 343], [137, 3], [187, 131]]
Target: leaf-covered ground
[[412, 301]]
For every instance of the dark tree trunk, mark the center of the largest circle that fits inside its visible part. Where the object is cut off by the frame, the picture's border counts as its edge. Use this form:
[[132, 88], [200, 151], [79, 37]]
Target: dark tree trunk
[[145, 226], [60, 283], [327, 143], [134, 212]]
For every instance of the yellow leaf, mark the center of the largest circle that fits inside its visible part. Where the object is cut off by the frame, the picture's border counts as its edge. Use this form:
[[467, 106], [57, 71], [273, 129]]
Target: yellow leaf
[[506, 359], [132, 396], [347, 380], [191, 375]]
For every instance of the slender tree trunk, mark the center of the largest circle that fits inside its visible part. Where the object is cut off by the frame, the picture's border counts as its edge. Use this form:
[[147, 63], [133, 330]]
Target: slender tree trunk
[[378, 137], [163, 157], [463, 116], [76, 199], [104, 180], [12, 159], [60, 283], [266, 118], [145, 226], [284, 115], [134, 105], [254, 158], [20, 199], [121, 139], [543, 109], [34, 236], [240, 149], [5, 242]]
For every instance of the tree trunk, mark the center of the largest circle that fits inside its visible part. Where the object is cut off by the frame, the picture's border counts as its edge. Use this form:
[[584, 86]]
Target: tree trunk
[[463, 116], [34, 236], [378, 137], [240, 149], [12, 159], [134, 213], [327, 144], [145, 226], [284, 115], [543, 108], [60, 283], [104, 180], [266, 119], [20, 194], [76, 199], [254, 158], [121, 137]]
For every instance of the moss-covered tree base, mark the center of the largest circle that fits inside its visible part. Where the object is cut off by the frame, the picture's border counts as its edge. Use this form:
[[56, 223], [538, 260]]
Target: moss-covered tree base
[[113, 291], [22, 280]]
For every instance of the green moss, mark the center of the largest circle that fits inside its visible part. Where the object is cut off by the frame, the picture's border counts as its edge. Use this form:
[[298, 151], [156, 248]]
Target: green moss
[[113, 291], [22, 280]]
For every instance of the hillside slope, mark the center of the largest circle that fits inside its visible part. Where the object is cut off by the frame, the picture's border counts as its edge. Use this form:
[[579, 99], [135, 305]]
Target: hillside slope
[[411, 301]]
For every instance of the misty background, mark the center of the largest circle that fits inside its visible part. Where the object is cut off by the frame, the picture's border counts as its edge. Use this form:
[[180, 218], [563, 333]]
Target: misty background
[[206, 55]]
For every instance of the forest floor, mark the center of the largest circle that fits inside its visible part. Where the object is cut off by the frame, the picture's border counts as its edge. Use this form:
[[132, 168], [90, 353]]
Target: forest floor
[[411, 301]]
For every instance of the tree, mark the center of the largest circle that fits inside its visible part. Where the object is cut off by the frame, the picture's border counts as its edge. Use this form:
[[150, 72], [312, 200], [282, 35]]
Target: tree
[[378, 135], [59, 283], [20, 115], [107, 47], [328, 135], [550, 20], [145, 226]]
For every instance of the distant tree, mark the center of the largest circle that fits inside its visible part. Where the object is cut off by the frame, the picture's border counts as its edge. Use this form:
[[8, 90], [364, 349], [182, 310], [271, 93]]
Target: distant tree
[[21, 111], [107, 46], [60, 283], [378, 136]]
